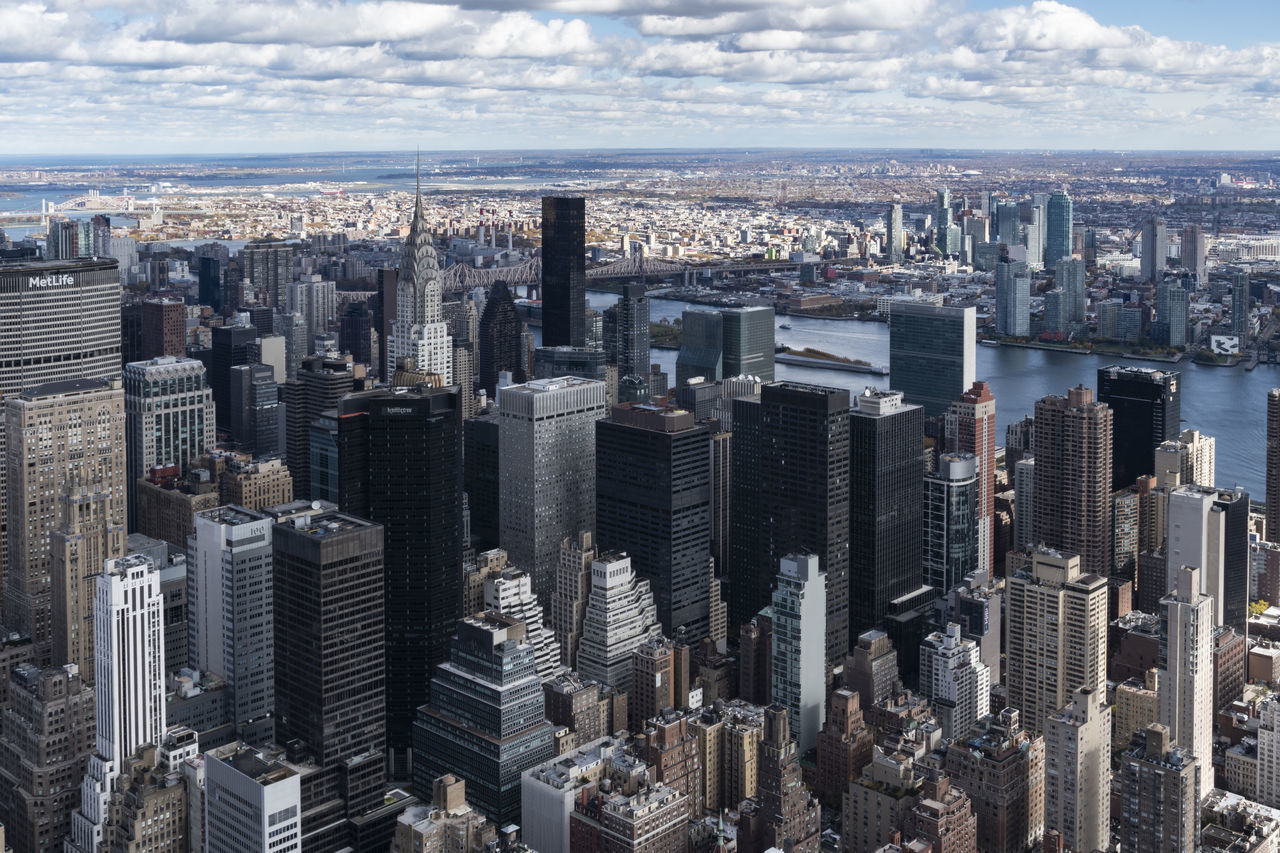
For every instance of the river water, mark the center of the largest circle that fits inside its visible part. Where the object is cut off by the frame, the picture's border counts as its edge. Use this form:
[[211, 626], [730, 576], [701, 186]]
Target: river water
[[1226, 403]]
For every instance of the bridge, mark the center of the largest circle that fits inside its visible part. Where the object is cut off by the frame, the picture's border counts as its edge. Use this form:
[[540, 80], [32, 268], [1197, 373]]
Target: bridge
[[462, 277]]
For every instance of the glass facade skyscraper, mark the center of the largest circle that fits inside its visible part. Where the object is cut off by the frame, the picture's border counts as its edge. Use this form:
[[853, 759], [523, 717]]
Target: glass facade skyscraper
[[701, 347], [1057, 243], [932, 353], [748, 342], [1147, 406], [564, 272]]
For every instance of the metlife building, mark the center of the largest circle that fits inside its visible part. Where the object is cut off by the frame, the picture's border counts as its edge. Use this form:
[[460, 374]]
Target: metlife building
[[58, 320]]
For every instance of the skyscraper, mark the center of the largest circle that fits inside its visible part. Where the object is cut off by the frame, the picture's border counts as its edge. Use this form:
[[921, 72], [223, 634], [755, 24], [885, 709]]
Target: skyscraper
[[619, 616], [548, 468], [319, 385], [748, 342], [510, 592], [401, 466], [1172, 314], [799, 646], [653, 501], [564, 272], [1155, 249], [164, 327], [954, 678], [1160, 812], [255, 409], [485, 723], [1240, 305], [268, 266], [950, 521], [1273, 464], [893, 234], [419, 331], [942, 221], [1071, 508], [788, 815], [633, 334], [1077, 760], [884, 521], [1071, 274], [1186, 678], [1056, 638], [65, 510], [1058, 223], [932, 353], [1013, 298], [1001, 765], [701, 346], [1193, 251], [1187, 460], [1146, 407], [573, 588], [498, 349], [253, 804], [231, 345], [971, 428]]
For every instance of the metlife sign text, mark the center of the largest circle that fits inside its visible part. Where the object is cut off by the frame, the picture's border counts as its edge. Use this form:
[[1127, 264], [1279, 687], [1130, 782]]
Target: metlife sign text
[[43, 281]]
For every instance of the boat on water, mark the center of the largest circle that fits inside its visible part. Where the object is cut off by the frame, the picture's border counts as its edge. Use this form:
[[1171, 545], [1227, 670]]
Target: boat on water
[[989, 343], [784, 326]]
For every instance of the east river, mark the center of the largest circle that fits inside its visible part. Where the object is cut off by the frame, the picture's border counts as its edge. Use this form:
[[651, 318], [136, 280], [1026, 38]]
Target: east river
[[1227, 403]]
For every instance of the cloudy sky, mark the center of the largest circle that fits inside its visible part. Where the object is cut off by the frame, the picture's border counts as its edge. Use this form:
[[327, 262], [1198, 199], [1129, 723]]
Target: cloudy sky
[[197, 76]]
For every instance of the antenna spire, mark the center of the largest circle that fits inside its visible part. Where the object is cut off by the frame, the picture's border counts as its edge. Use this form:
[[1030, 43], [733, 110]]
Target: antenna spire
[[418, 171]]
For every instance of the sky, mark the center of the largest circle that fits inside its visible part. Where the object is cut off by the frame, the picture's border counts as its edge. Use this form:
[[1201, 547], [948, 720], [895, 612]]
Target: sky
[[220, 76]]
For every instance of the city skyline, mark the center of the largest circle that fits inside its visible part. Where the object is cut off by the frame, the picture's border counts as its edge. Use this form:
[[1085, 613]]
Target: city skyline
[[567, 72]]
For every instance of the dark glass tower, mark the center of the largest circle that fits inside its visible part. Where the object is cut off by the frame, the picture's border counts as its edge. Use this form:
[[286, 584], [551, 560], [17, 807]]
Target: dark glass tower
[[481, 478], [211, 283], [884, 522], [653, 501], [1235, 557], [1057, 241], [791, 494], [400, 465], [499, 339], [1148, 408], [255, 409], [231, 345], [932, 353], [633, 332], [564, 272], [320, 384]]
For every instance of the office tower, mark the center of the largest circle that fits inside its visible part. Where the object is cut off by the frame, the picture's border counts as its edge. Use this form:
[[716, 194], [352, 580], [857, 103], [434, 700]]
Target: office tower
[[485, 721], [320, 385], [619, 616], [633, 331], [884, 521], [1056, 640], [481, 478], [950, 546], [871, 670], [130, 332], [1055, 312], [129, 685], [844, 745], [971, 428], [653, 497], [164, 328], [62, 321], [314, 300], [498, 348], [230, 607], [550, 362], [747, 335], [293, 329], [231, 346], [1013, 299], [1194, 251], [1070, 275], [1024, 491], [954, 678], [65, 510], [510, 592], [1197, 538], [1071, 502], [893, 235], [1186, 676], [401, 468], [63, 240], [701, 346], [1155, 249], [1077, 794], [573, 588], [547, 447], [1033, 234], [268, 267], [1172, 314], [1187, 460], [210, 283], [1001, 766], [1146, 406], [799, 645], [253, 804], [169, 417], [932, 353], [1007, 220], [355, 334], [255, 409], [787, 814], [1240, 305], [1273, 465], [876, 803], [564, 272], [1058, 223], [942, 221], [1159, 809], [330, 683], [419, 331]]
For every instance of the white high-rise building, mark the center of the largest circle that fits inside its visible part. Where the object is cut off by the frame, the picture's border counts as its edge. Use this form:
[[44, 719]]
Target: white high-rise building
[[419, 330], [1077, 763], [799, 646], [954, 677], [1187, 460], [547, 443], [510, 592], [129, 684], [1024, 484], [1185, 693], [1267, 790], [620, 615], [252, 804], [315, 300], [1196, 533]]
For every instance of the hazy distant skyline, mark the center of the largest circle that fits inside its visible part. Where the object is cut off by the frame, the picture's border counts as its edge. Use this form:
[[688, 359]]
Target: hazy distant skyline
[[321, 75]]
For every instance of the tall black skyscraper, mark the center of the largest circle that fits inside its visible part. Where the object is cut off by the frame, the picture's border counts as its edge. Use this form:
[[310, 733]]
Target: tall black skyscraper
[[564, 272], [791, 494], [653, 501], [231, 346], [499, 334], [320, 384], [255, 409], [130, 333], [481, 478], [211, 283], [1148, 408], [886, 473], [355, 333], [633, 332], [400, 465], [1235, 557]]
